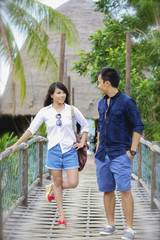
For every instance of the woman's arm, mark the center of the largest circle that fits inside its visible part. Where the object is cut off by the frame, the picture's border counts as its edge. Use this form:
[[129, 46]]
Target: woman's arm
[[97, 145], [97, 141], [85, 128], [23, 138], [82, 141], [81, 120]]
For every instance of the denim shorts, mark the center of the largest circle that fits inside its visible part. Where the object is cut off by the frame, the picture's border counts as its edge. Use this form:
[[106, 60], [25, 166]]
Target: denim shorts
[[114, 173], [58, 161]]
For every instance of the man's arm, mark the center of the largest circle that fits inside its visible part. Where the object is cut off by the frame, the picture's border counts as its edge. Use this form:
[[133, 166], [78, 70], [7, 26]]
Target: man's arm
[[135, 141]]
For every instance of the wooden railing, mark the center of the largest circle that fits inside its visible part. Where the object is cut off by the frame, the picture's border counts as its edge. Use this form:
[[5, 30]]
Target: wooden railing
[[149, 150], [23, 154]]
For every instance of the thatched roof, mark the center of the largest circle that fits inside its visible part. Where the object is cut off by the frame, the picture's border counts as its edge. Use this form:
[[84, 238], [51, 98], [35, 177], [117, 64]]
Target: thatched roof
[[86, 95]]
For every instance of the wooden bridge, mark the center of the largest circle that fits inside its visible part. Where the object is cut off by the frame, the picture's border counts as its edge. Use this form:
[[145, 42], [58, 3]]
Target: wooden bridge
[[30, 216]]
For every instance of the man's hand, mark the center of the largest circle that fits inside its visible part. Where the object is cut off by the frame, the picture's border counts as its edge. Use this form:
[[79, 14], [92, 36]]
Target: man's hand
[[130, 156]]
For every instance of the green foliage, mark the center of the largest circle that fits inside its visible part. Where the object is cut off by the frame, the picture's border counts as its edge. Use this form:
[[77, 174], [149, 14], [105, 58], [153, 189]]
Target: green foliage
[[42, 129], [11, 187], [145, 13], [6, 140], [108, 48]]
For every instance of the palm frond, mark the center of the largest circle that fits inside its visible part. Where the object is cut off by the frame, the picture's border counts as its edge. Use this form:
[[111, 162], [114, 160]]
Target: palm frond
[[5, 50], [39, 52], [61, 24], [37, 39], [51, 18], [10, 49], [24, 21]]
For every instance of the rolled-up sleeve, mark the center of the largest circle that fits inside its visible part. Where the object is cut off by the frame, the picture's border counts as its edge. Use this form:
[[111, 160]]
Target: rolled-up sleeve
[[81, 120], [134, 117], [36, 122]]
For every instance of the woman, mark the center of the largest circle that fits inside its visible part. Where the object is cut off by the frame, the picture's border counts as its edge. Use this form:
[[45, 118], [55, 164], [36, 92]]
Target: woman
[[62, 144]]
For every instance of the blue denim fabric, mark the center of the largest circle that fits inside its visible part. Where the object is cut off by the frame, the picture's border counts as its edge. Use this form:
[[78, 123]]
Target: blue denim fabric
[[116, 125], [115, 172], [58, 161]]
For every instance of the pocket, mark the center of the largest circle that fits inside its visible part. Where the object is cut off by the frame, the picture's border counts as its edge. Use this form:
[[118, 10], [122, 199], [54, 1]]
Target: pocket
[[127, 160], [101, 114], [116, 116], [100, 154]]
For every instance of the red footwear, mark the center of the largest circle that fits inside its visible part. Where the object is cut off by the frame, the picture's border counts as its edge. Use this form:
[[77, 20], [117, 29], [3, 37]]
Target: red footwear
[[48, 190], [49, 198], [61, 224]]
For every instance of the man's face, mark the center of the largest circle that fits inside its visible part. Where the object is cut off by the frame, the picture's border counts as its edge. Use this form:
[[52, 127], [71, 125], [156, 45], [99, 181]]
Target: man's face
[[102, 85]]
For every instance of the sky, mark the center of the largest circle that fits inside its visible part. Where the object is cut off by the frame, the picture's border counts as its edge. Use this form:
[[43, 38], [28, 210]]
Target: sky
[[4, 68]]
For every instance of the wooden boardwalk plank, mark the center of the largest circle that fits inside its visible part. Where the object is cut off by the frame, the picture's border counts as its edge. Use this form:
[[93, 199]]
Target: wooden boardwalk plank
[[84, 211]]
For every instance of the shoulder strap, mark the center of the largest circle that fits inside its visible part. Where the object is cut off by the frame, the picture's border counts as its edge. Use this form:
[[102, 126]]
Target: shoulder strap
[[73, 119]]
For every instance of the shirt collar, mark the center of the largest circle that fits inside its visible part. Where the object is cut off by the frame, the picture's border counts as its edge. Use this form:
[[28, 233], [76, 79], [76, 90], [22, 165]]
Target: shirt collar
[[66, 107], [115, 96]]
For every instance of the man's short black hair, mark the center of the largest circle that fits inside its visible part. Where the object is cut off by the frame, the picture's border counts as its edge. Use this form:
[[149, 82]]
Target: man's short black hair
[[110, 74]]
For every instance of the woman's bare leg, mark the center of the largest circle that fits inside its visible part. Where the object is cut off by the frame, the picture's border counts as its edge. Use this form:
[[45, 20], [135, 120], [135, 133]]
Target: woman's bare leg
[[72, 179], [57, 188]]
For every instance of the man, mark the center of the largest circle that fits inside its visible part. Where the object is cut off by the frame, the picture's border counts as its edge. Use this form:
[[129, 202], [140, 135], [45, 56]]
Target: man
[[119, 131]]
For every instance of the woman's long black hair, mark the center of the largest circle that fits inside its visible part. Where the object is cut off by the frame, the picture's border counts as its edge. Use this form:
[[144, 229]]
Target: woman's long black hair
[[48, 100]]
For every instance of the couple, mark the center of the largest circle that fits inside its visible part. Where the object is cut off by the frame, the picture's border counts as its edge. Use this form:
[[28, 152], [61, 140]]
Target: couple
[[119, 131]]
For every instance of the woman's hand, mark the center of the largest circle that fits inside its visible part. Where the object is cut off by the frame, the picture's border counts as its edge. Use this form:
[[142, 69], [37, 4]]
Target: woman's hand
[[24, 137], [78, 145], [12, 148]]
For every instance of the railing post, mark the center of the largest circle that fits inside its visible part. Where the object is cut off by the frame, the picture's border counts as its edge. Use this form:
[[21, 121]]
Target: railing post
[[139, 163], [40, 162], [25, 177], [153, 177], [1, 226]]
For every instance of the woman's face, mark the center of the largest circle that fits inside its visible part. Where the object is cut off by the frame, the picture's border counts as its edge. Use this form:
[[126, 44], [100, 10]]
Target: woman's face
[[59, 96]]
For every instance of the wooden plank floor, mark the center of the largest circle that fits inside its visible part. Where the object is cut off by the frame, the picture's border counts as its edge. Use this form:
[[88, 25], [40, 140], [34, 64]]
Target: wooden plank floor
[[84, 211]]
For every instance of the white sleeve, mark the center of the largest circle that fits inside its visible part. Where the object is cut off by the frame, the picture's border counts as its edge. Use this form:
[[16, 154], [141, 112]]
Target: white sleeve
[[81, 120], [36, 122]]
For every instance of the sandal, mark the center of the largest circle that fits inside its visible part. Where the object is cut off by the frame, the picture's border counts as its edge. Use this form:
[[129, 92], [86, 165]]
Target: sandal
[[48, 190], [61, 224]]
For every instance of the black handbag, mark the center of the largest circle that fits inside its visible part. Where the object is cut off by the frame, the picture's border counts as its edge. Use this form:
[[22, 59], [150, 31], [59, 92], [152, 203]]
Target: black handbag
[[82, 152]]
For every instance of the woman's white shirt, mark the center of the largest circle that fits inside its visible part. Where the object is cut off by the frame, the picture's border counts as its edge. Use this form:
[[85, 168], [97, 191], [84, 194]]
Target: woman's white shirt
[[64, 134]]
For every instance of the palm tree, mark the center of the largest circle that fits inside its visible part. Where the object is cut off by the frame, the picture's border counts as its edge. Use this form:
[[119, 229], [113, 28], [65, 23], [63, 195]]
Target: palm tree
[[27, 16]]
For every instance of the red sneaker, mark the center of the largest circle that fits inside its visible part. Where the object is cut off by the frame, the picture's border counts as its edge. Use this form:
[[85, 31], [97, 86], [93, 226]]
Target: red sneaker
[[48, 190], [61, 224], [49, 198]]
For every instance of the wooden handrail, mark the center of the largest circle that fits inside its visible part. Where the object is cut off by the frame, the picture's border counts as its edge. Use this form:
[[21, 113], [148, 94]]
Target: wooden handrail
[[154, 149], [23, 145], [24, 148]]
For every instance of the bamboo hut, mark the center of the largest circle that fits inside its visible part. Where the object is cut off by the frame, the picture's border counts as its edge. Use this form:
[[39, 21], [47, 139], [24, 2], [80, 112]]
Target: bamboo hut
[[86, 95]]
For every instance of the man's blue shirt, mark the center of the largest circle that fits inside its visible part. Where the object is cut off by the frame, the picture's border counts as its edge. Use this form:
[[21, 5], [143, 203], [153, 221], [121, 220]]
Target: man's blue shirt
[[116, 125]]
